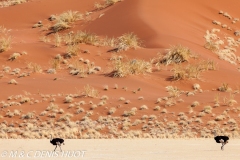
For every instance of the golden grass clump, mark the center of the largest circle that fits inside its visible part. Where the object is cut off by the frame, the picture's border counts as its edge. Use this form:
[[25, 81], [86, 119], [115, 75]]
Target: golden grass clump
[[89, 91], [64, 20], [106, 4], [192, 71], [176, 54], [81, 37], [224, 88], [34, 67], [13, 81], [14, 56], [5, 43], [128, 41], [212, 46], [8, 3], [72, 50], [70, 16], [173, 92], [59, 26], [123, 68]]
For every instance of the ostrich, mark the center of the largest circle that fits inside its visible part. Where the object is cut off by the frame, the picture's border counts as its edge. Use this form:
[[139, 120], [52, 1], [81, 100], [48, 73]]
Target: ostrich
[[221, 139], [57, 142]]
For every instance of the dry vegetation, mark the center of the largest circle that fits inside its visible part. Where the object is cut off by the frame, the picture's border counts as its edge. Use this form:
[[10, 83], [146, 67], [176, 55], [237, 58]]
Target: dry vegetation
[[7, 3], [124, 67], [176, 113], [225, 47], [5, 39]]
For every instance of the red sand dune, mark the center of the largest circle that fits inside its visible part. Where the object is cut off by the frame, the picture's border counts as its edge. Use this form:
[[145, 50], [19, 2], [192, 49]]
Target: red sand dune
[[159, 24]]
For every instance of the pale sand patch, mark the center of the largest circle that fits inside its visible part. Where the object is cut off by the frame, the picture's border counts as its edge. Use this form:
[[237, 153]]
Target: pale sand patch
[[128, 149]]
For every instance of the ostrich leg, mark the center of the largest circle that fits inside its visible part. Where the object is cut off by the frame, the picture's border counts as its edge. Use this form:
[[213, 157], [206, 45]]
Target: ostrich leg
[[55, 148], [60, 147], [222, 148]]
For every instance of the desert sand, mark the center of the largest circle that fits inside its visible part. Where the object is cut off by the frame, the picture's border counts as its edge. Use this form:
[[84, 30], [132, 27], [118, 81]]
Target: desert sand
[[79, 78], [121, 149]]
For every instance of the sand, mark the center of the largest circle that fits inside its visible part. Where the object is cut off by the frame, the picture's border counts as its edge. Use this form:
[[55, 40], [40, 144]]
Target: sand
[[159, 25], [126, 149]]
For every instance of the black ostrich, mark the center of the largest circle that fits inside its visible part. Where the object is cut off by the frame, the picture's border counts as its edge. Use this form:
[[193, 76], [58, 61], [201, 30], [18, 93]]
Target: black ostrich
[[57, 142], [221, 139]]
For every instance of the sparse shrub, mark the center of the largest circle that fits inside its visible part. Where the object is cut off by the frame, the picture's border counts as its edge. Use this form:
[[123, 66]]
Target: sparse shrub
[[152, 117], [220, 118], [174, 92], [80, 110], [35, 67], [107, 3], [58, 40], [157, 108], [143, 107], [144, 117], [38, 24], [201, 114], [105, 87], [176, 54], [59, 26], [112, 110], [128, 41], [196, 86], [29, 115], [130, 67], [195, 103], [232, 121], [82, 37], [14, 56], [89, 91], [104, 97], [127, 101], [207, 109], [93, 106], [136, 122], [24, 100], [72, 50], [52, 107], [68, 99], [13, 81], [61, 111], [5, 44], [129, 113], [224, 88], [64, 20], [51, 71], [212, 46], [198, 120], [43, 113], [164, 111]]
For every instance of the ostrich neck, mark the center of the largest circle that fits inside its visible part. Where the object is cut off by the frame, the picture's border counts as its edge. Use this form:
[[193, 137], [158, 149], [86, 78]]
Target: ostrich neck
[[51, 138]]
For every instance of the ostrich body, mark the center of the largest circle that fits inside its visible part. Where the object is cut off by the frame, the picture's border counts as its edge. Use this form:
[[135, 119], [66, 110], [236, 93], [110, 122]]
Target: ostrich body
[[221, 139], [57, 142]]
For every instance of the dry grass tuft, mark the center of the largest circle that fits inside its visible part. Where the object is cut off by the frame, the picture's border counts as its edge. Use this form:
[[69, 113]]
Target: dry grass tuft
[[13, 81], [123, 68], [176, 54], [5, 43], [224, 88], [14, 56], [81, 37], [192, 71], [89, 91], [34, 67], [106, 4], [7, 3], [128, 41], [64, 20]]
